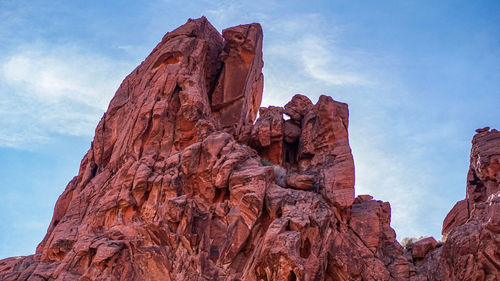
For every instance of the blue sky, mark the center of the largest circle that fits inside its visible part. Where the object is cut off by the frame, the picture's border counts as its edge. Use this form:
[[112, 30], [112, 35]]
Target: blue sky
[[419, 78]]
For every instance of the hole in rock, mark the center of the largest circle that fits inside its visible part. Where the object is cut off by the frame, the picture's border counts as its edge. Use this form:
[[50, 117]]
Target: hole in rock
[[214, 253], [174, 226], [279, 213], [305, 250], [221, 195], [291, 150], [292, 276], [92, 253], [93, 170]]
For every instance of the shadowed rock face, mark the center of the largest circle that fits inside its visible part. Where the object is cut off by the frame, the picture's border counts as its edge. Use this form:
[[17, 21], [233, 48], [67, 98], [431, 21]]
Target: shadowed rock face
[[180, 183]]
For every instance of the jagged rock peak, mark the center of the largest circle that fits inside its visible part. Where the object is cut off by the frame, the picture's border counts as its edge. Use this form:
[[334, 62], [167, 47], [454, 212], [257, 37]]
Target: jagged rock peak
[[180, 183], [175, 183]]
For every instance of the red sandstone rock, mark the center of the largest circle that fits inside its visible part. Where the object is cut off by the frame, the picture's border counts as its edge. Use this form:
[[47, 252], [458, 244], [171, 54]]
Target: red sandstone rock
[[291, 131], [303, 182], [423, 246], [180, 184], [238, 93], [456, 217], [324, 148], [267, 134], [471, 249], [298, 107]]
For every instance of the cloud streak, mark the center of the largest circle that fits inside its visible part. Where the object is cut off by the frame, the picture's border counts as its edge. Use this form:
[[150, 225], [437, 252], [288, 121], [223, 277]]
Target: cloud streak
[[305, 57], [325, 65], [54, 89]]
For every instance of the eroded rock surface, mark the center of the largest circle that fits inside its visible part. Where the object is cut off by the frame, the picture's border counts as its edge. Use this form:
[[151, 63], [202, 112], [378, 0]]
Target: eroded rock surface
[[180, 183]]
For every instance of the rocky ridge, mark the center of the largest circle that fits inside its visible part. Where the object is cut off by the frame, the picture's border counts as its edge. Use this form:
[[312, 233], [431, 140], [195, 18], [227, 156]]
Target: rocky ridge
[[182, 183]]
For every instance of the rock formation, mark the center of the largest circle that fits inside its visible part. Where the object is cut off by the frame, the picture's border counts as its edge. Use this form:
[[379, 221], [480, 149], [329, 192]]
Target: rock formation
[[182, 183], [471, 247]]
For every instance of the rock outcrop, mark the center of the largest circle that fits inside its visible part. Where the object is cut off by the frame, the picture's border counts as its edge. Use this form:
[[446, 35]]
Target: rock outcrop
[[182, 183], [471, 247]]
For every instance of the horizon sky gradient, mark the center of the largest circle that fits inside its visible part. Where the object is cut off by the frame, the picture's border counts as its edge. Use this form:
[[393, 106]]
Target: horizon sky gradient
[[419, 77]]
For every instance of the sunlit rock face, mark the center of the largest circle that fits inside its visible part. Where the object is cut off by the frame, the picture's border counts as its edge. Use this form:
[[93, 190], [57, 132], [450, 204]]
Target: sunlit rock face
[[183, 183]]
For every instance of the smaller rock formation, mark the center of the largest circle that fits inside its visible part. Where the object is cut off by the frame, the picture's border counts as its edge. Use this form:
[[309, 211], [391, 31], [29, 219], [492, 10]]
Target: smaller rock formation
[[471, 247], [267, 134], [312, 146], [422, 247]]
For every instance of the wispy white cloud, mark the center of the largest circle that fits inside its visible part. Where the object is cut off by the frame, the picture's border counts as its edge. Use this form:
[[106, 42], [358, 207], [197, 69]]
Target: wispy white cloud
[[63, 73], [305, 56], [320, 60], [228, 13], [54, 89], [326, 65], [224, 11]]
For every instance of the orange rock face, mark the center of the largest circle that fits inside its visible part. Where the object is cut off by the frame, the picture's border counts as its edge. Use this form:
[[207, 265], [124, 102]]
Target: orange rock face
[[180, 183]]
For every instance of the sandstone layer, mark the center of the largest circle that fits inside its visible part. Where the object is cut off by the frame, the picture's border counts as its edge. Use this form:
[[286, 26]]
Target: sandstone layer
[[182, 183]]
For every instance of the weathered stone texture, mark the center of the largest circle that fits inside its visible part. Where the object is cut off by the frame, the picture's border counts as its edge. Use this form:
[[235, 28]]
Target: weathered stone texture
[[180, 183]]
